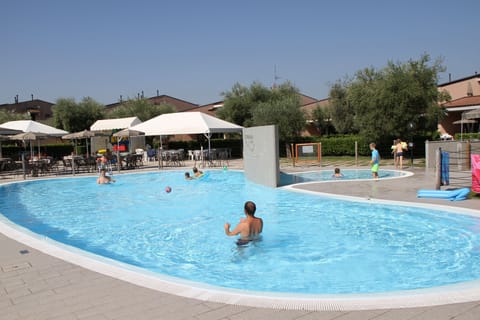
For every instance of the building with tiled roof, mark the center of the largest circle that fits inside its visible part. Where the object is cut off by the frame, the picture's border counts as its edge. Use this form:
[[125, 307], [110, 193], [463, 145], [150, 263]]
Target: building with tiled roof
[[179, 104], [36, 109], [465, 94]]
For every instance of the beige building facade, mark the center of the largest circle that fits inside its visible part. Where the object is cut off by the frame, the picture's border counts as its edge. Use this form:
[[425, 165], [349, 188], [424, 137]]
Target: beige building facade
[[465, 97]]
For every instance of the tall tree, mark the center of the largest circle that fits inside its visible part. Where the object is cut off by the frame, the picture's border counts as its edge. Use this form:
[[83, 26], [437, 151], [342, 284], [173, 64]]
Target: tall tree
[[399, 100], [259, 105], [341, 111], [322, 116], [73, 117], [282, 109], [239, 102], [141, 108], [6, 116]]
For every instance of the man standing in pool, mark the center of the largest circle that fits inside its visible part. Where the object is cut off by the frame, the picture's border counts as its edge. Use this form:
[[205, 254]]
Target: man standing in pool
[[249, 228], [375, 160], [103, 178]]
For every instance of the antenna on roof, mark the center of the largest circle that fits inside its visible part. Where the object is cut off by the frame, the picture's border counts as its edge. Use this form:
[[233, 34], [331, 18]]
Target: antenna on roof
[[275, 76]]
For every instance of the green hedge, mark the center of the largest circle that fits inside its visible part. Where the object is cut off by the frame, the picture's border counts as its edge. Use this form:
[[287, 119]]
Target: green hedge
[[467, 136], [234, 144], [57, 151], [336, 145], [331, 146], [345, 146]]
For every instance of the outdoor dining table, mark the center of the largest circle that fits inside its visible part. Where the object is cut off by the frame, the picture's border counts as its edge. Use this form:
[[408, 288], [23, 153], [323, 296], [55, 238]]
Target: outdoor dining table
[[7, 164]]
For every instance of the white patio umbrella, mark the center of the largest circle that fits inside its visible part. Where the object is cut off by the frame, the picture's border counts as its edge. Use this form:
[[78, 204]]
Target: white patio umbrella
[[30, 136], [472, 114], [33, 126], [467, 117], [85, 134], [4, 135], [186, 123]]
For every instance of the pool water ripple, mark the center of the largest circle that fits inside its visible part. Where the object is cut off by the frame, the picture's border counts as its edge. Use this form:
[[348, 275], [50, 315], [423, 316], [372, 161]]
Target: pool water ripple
[[311, 244]]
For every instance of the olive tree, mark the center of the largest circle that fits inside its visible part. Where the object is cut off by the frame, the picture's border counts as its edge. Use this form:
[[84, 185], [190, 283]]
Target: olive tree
[[393, 101], [73, 117], [143, 109], [259, 105]]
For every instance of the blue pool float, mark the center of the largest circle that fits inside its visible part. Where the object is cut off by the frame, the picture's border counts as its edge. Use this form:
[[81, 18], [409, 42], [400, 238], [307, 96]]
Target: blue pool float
[[452, 195]]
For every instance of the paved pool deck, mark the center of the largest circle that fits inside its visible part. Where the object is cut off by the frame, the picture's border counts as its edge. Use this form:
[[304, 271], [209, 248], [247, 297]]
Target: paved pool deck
[[34, 285]]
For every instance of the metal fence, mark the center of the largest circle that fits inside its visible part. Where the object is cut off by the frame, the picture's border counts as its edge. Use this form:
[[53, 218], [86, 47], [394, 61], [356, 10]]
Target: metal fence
[[459, 168]]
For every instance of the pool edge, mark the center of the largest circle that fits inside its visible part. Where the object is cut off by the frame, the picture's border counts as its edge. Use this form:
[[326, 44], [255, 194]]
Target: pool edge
[[457, 293]]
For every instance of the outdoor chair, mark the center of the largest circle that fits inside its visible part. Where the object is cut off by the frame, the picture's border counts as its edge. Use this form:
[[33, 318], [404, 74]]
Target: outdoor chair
[[151, 154]]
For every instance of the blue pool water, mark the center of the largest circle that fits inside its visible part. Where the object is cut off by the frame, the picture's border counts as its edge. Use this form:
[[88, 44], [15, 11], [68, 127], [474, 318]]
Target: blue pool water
[[311, 244], [324, 175]]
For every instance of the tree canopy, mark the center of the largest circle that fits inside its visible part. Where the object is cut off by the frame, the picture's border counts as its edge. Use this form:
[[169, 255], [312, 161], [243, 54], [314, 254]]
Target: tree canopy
[[399, 100], [259, 105], [143, 109], [6, 116], [73, 117]]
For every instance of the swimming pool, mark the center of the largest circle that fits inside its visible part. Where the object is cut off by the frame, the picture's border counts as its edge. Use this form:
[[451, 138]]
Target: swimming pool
[[311, 244], [347, 174]]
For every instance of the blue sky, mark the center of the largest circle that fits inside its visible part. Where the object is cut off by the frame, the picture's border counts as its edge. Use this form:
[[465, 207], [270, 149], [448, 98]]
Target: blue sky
[[195, 50]]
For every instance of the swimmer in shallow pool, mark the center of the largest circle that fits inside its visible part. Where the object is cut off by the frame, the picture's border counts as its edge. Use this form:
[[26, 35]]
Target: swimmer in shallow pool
[[103, 178], [337, 173], [197, 173], [249, 228]]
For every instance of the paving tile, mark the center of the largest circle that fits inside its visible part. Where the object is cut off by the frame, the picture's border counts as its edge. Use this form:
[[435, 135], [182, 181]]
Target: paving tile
[[5, 302], [97, 317], [261, 313], [361, 315], [445, 311], [53, 289], [220, 311], [12, 283], [471, 314], [321, 315], [401, 314], [4, 315]]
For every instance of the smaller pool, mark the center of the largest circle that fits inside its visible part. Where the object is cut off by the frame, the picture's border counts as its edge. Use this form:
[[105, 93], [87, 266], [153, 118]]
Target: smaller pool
[[327, 175]]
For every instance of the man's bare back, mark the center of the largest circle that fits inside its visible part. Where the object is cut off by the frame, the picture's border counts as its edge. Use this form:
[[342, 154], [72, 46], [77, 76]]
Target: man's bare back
[[249, 228]]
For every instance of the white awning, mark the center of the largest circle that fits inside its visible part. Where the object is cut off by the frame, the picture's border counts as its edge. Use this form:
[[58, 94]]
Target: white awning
[[115, 124], [33, 126], [186, 123]]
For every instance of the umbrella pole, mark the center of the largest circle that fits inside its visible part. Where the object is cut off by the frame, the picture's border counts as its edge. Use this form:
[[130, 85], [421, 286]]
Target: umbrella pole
[[24, 167], [160, 151], [461, 129], [118, 154]]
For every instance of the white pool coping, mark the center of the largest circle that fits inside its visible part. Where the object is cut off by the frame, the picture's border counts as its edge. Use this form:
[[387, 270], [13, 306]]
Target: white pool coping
[[457, 293]]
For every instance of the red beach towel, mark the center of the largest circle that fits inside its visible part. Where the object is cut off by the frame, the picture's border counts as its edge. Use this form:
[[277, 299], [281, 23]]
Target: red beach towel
[[475, 173]]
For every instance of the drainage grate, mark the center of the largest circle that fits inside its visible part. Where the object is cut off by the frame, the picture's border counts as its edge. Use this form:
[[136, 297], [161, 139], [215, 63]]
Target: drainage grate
[[15, 267]]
